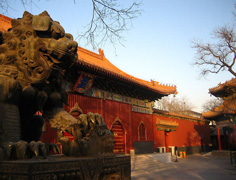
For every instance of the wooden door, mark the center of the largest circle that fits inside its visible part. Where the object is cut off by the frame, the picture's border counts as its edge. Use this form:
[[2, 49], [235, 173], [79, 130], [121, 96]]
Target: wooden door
[[119, 134]]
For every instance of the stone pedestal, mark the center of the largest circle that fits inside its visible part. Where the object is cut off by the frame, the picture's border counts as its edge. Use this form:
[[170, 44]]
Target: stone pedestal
[[56, 168]]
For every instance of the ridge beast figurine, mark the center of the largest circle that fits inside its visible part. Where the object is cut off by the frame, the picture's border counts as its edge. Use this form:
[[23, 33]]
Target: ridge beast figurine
[[36, 60]]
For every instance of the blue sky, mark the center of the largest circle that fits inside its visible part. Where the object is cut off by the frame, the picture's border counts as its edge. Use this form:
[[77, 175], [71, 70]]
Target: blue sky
[[159, 44]]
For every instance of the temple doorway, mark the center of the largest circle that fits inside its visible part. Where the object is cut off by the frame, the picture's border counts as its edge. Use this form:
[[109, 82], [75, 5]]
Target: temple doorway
[[119, 134]]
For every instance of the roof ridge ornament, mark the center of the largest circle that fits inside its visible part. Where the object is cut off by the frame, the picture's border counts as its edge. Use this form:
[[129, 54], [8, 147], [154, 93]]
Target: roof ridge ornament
[[101, 53]]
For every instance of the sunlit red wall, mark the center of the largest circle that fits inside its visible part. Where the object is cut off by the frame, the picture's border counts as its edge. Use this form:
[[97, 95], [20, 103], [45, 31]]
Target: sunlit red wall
[[110, 110], [188, 133], [86, 103], [113, 110], [119, 111], [146, 119]]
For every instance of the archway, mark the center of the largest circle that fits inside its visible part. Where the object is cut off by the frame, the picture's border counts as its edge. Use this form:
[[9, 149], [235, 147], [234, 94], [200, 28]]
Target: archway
[[119, 134]]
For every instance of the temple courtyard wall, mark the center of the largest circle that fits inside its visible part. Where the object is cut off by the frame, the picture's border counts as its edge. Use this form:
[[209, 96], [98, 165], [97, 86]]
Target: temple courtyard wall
[[139, 130]]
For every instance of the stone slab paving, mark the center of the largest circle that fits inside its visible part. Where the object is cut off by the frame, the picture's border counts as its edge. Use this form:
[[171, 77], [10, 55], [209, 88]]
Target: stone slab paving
[[194, 167]]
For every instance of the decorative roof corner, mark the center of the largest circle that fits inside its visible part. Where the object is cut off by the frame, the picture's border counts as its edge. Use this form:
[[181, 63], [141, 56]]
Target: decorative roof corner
[[101, 53], [216, 91]]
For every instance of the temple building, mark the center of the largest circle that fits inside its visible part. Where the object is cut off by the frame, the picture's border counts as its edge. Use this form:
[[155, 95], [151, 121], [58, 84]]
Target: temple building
[[223, 117], [126, 104]]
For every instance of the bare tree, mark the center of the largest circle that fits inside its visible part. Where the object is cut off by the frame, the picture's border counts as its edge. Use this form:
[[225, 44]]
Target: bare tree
[[211, 104], [220, 56], [109, 20], [174, 104]]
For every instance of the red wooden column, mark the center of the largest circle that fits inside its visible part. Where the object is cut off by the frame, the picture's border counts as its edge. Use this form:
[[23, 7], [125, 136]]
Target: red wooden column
[[166, 141], [219, 142]]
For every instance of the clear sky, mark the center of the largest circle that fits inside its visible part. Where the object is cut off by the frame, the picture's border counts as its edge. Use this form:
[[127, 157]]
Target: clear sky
[[159, 44]]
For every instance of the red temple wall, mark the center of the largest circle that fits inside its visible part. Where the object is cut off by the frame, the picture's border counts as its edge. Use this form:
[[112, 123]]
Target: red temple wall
[[159, 136], [188, 133], [119, 111], [86, 103], [146, 119], [110, 110]]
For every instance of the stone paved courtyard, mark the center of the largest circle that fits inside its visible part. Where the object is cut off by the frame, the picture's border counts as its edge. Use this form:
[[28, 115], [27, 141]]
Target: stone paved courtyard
[[193, 167]]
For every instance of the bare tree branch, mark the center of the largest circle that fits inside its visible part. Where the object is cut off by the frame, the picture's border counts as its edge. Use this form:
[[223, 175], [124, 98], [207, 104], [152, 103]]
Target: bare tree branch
[[211, 104], [173, 104], [109, 20], [221, 56], [4, 6]]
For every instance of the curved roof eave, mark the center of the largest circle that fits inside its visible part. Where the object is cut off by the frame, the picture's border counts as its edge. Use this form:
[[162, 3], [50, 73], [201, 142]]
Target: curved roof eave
[[99, 63], [216, 91]]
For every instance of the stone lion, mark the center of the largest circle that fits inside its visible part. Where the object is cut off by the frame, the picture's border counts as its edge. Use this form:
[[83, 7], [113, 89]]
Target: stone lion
[[37, 59], [35, 56]]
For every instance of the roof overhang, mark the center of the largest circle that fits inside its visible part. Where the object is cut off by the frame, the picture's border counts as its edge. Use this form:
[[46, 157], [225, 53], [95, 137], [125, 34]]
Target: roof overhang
[[225, 89], [165, 125]]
